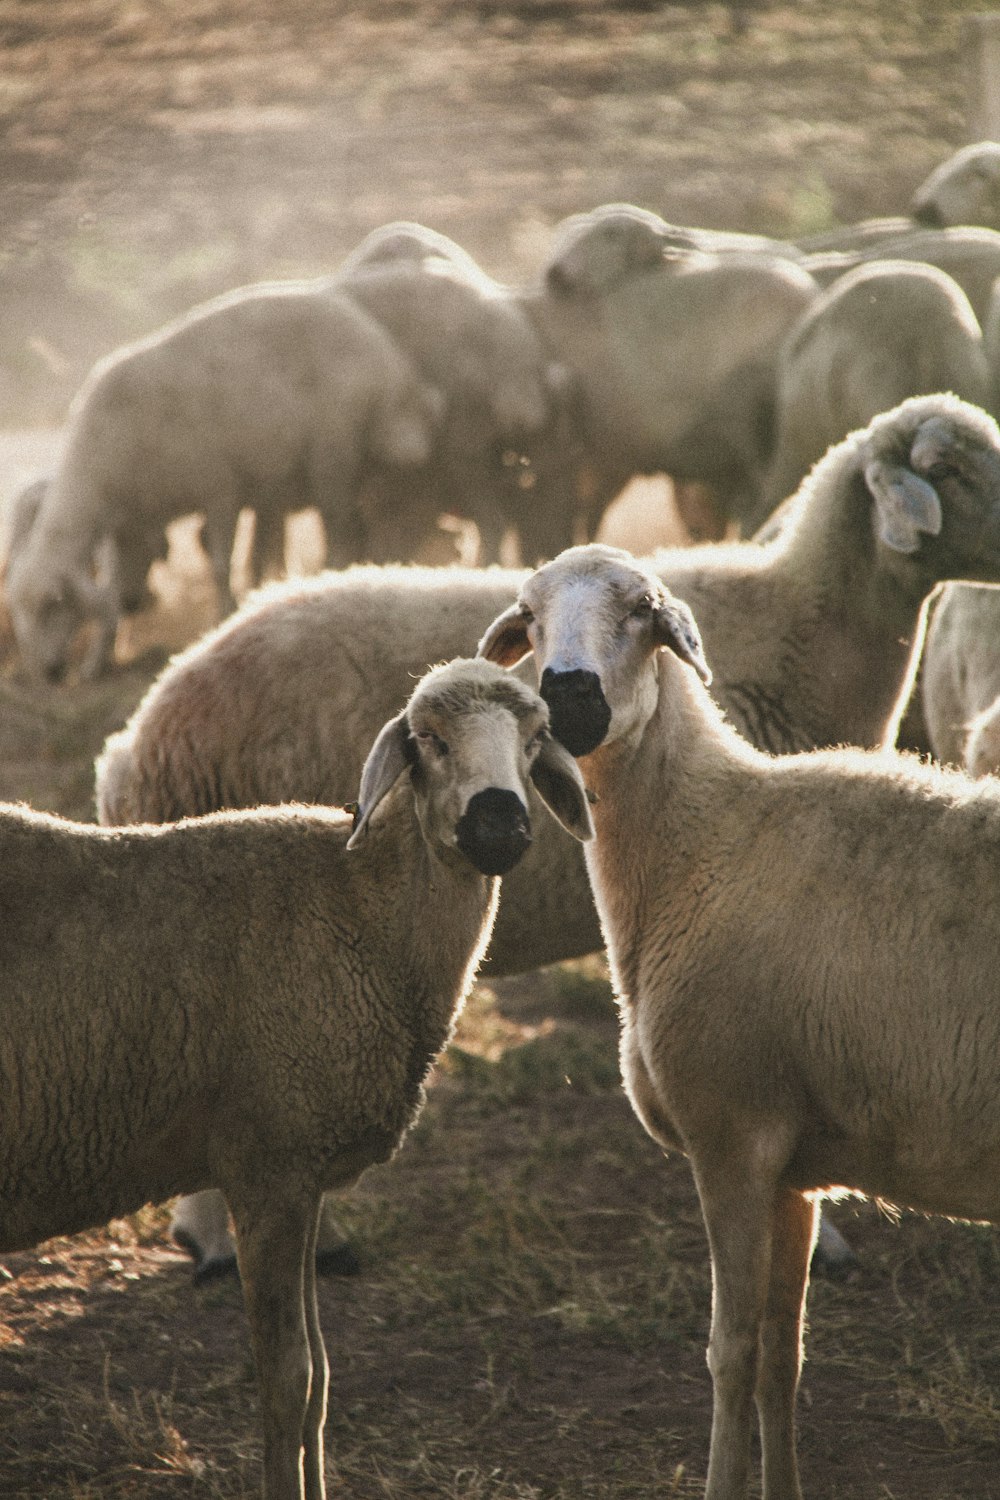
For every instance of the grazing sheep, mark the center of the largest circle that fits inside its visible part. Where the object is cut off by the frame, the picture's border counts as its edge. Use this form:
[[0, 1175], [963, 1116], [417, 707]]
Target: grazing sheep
[[880, 333], [673, 352], [809, 1001], [240, 1002], [504, 451], [814, 640], [280, 393], [128, 557]]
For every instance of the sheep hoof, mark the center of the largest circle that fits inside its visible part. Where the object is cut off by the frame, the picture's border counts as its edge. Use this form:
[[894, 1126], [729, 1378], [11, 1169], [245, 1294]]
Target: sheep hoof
[[339, 1260]]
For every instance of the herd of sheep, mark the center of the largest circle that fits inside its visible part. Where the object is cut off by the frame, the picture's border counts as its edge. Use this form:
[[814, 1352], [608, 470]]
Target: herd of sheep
[[803, 979]]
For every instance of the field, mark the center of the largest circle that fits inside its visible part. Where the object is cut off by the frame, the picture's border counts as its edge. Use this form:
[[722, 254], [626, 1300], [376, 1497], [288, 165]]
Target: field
[[530, 1319]]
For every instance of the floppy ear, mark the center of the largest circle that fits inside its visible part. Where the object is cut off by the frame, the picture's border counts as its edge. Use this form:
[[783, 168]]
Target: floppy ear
[[557, 780], [905, 505], [387, 759], [675, 627], [506, 642]]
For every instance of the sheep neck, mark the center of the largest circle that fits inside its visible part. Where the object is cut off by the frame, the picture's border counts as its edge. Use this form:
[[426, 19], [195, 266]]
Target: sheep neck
[[444, 910], [668, 779], [865, 619]]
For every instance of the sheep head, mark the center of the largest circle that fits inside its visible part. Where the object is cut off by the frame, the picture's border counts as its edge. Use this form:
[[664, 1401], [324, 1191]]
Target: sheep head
[[931, 467], [595, 618], [472, 737], [48, 606], [965, 189]]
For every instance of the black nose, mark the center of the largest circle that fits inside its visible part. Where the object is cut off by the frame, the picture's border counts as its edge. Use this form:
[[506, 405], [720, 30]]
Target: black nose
[[579, 715], [494, 831]]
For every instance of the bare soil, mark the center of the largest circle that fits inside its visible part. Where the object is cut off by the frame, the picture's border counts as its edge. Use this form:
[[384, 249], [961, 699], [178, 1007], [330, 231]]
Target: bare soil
[[531, 1315]]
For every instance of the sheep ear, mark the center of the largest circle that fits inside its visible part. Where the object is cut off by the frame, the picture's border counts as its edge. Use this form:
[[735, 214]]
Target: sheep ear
[[557, 780], [675, 627], [905, 505], [387, 759], [506, 642]]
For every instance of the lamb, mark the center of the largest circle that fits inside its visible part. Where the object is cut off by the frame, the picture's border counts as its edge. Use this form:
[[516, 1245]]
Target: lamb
[[282, 391], [880, 333], [252, 1001], [128, 557], [809, 1003], [969, 255], [814, 638]]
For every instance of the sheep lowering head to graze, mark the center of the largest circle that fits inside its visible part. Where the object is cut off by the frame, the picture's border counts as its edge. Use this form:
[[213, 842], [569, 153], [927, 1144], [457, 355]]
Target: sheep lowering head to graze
[[505, 399], [276, 396], [252, 1001], [809, 999]]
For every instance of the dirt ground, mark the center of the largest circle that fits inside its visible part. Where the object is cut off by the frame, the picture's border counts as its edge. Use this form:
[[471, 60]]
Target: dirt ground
[[530, 1318]]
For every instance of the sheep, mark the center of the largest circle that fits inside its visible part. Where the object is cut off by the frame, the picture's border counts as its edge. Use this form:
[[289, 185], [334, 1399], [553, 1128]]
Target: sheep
[[808, 1000], [814, 640], [282, 390], [505, 451], [963, 190], [673, 352], [128, 557], [880, 333], [252, 1001], [959, 681]]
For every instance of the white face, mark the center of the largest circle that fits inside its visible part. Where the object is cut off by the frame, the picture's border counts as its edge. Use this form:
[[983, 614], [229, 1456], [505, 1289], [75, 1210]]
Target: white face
[[595, 619], [591, 631], [471, 777], [472, 738]]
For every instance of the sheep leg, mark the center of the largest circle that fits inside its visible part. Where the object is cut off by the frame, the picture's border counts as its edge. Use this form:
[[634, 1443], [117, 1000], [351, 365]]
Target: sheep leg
[[794, 1232], [319, 1386], [217, 537], [272, 1240], [737, 1205]]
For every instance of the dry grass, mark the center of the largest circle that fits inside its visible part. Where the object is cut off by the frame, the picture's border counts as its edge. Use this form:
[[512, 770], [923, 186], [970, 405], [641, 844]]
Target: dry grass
[[531, 1316]]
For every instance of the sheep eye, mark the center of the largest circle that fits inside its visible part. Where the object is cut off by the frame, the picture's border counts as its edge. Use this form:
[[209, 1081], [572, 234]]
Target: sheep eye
[[643, 607], [432, 741], [526, 615]]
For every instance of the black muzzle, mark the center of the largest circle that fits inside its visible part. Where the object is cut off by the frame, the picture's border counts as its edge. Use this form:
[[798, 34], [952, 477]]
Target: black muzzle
[[579, 715], [494, 831]]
